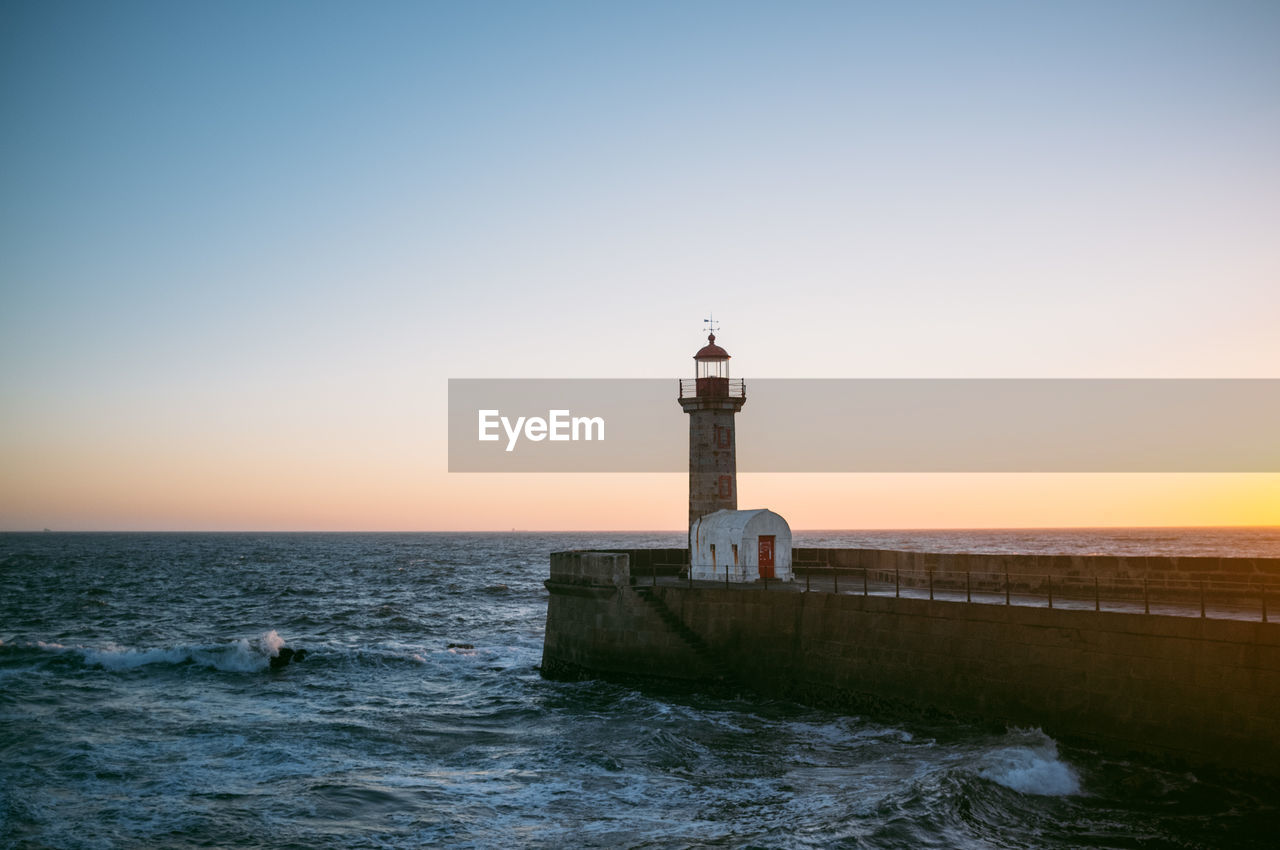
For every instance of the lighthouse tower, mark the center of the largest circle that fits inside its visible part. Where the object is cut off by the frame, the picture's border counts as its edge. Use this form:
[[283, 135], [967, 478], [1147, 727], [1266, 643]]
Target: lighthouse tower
[[711, 399]]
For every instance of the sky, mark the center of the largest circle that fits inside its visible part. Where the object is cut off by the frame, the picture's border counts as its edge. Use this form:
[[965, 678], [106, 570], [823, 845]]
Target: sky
[[244, 246]]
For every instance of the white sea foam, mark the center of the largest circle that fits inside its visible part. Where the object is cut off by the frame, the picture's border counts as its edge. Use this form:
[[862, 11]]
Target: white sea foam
[[238, 656], [115, 657], [879, 733], [270, 642], [1031, 765]]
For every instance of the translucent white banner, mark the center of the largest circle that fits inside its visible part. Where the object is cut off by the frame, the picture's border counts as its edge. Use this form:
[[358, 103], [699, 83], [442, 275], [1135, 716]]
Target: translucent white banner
[[867, 425]]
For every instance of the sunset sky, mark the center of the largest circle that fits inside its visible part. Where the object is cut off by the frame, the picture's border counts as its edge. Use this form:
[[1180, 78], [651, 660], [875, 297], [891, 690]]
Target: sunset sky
[[243, 246]]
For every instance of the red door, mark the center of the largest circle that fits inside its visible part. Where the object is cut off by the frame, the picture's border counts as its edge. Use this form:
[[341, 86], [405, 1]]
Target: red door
[[766, 555]]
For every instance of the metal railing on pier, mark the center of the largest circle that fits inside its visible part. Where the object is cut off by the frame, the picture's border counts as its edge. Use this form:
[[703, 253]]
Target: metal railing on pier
[[1162, 595]]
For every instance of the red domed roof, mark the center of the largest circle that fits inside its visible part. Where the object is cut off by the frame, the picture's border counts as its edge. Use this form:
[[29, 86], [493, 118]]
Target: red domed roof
[[711, 351]]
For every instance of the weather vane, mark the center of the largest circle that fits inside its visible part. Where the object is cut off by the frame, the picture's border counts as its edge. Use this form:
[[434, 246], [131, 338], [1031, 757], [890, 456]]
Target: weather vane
[[712, 327]]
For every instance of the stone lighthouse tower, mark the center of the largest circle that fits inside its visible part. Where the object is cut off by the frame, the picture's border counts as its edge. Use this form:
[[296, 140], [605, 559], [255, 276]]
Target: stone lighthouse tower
[[711, 399]]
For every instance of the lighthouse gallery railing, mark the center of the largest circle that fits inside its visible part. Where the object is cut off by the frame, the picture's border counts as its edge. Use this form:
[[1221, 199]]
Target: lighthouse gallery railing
[[713, 388]]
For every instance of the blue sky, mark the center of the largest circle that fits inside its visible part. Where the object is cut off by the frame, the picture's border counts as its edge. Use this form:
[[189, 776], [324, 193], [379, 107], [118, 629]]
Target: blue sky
[[243, 231]]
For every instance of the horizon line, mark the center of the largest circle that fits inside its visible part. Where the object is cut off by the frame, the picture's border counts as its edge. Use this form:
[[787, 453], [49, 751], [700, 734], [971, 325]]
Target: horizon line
[[615, 530]]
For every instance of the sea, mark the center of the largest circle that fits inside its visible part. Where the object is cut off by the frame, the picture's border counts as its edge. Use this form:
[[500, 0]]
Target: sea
[[139, 708]]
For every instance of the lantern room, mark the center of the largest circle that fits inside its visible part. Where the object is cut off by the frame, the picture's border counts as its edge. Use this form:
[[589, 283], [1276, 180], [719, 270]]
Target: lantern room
[[711, 369]]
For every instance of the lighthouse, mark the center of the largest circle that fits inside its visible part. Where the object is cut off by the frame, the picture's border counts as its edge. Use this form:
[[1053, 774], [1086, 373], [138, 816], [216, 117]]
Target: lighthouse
[[712, 399], [725, 543]]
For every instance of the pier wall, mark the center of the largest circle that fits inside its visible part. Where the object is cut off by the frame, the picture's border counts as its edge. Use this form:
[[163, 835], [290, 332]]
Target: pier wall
[[598, 625], [1197, 690]]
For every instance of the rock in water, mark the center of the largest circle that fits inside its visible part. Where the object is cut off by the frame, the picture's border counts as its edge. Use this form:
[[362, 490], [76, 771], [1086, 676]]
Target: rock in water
[[281, 659]]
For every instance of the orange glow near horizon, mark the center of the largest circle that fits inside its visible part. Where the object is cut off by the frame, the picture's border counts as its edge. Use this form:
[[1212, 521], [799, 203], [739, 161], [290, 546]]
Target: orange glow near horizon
[[284, 493], [336, 475]]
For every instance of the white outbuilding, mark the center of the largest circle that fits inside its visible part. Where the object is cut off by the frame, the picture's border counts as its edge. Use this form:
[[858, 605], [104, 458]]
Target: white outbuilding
[[748, 545]]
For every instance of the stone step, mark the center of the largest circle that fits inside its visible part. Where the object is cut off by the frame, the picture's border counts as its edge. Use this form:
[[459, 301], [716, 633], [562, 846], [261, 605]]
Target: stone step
[[688, 635]]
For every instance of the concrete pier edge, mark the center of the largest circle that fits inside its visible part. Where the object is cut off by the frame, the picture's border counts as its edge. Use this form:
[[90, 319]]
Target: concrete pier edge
[[1190, 691]]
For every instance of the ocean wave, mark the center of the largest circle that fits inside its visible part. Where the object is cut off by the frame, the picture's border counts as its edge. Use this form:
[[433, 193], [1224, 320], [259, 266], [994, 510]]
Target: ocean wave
[[1030, 764], [237, 656], [244, 655]]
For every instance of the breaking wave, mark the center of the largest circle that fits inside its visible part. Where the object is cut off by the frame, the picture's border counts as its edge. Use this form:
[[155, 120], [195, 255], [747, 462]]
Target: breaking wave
[[1030, 764], [237, 656], [251, 655]]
